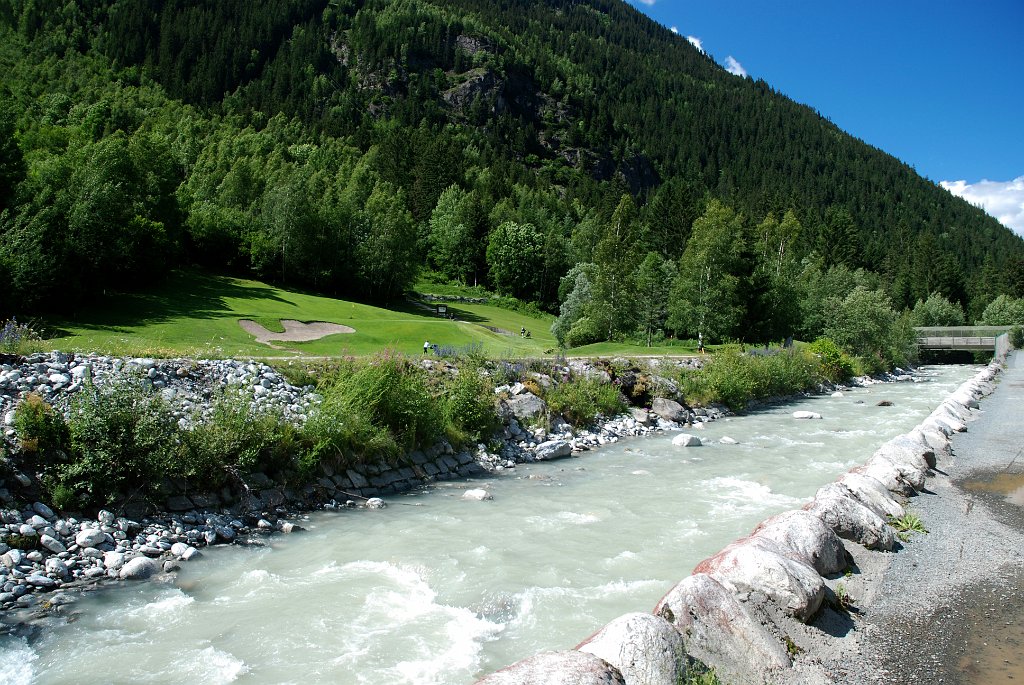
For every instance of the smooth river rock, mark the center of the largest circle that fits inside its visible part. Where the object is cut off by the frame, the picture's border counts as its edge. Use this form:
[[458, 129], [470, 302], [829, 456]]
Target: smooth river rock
[[139, 568], [553, 449], [803, 536], [758, 565], [646, 649], [851, 520], [721, 630], [669, 410], [477, 495], [90, 537], [686, 440], [806, 415]]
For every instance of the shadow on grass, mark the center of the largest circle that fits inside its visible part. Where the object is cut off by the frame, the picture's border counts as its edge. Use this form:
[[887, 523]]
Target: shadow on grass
[[191, 294]]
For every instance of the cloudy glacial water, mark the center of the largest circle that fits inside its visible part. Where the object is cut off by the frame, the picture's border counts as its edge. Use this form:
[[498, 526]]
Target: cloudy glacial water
[[436, 590]]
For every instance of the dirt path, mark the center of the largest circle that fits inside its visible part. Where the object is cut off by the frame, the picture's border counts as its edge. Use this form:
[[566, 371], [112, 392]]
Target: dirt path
[[294, 331]]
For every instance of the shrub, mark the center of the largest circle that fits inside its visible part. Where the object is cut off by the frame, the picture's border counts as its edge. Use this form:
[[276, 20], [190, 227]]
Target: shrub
[[235, 435], [17, 338], [1017, 337], [584, 332], [834, 364], [469, 406], [580, 400], [40, 429], [122, 442]]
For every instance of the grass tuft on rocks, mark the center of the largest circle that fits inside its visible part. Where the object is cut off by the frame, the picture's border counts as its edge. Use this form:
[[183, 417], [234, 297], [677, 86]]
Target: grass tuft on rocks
[[581, 400]]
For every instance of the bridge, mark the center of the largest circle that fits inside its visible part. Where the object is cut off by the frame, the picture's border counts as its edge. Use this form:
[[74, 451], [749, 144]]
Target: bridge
[[966, 338]]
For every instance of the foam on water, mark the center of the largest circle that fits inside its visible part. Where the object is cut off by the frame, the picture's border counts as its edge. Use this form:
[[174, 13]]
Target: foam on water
[[16, 661]]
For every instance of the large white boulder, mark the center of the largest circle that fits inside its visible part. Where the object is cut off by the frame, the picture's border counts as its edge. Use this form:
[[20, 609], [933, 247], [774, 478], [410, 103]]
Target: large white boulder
[[802, 414], [686, 440], [90, 537], [851, 520], [720, 630], [805, 537], [557, 668], [871, 493], [553, 449], [646, 649], [758, 565], [139, 568]]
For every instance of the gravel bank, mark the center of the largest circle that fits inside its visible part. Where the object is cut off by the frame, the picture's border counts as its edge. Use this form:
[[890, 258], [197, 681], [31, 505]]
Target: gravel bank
[[935, 611]]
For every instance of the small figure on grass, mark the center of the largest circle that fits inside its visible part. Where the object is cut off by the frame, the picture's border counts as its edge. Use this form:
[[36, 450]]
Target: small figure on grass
[[426, 347]]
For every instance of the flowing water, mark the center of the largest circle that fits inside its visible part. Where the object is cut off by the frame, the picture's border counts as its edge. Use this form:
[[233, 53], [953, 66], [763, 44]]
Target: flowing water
[[435, 589]]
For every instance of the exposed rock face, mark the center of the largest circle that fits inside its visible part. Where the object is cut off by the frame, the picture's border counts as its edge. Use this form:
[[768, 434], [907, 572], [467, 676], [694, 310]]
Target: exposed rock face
[[757, 564], [803, 536], [557, 668], [719, 630], [646, 649]]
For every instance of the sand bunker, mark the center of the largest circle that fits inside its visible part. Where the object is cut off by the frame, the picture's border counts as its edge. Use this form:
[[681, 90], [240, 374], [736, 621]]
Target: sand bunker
[[294, 331]]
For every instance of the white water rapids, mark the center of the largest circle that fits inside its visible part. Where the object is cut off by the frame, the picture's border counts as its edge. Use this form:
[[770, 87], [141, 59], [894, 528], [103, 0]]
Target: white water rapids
[[435, 589]]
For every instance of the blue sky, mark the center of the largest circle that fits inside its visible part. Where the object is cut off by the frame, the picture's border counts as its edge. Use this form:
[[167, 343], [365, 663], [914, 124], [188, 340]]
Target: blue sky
[[938, 84]]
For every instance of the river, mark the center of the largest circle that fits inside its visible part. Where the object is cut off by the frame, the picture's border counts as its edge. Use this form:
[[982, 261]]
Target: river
[[436, 590]]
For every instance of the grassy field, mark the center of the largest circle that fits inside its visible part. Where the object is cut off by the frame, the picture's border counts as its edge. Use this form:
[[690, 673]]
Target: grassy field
[[197, 314]]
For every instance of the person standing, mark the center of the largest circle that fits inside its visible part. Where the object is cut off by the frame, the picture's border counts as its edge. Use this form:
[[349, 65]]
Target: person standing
[[426, 347]]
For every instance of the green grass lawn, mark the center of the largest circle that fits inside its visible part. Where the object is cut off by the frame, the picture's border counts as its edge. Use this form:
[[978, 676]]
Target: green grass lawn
[[196, 314]]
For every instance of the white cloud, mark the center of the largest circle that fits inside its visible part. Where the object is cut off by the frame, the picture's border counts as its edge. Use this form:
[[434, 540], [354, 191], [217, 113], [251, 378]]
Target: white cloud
[[696, 42], [675, 30], [1002, 199], [648, 2], [734, 67]]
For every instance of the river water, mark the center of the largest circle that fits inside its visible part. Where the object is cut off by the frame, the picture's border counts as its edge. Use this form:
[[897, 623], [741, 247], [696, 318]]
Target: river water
[[435, 589]]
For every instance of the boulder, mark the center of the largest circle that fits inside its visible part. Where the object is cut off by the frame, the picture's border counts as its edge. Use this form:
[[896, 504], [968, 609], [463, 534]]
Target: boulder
[[759, 565], [57, 567], [646, 649], [557, 668], [686, 440], [52, 544], [803, 536], [40, 581], [871, 493], [669, 410], [887, 474], [43, 510], [851, 520], [720, 630], [553, 449], [90, 537], [477, 495], [726, 440], [113, 560], [375, 503], [641, 416], [526, 406], [806, 415], [139, 568]]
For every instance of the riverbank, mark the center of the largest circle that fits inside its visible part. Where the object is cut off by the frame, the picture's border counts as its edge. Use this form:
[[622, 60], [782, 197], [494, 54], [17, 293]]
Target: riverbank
[[950, 605]]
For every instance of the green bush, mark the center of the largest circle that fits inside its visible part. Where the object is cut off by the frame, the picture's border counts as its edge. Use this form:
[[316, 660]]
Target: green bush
[[835, 365], [469, 407], [122, 444], [40, 429], [734, 379], [580, 400], [235, 436], [1017, 337], [583, 332]]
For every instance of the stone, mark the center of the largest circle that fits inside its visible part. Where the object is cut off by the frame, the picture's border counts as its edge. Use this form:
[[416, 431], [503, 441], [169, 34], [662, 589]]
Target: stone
[[806, 415], [557, 668], [686, 440], [803, 536], [721, 630], [190, 554], [44, 511], [477, 495], [375, 503], [52, 544], [179, 503], [90, 537], [641, 416], [758, 565], [139, 568], [40, 581], [851, 520], [105, 518], [871, 493], [178, 548], [646, 649], [669, 410], [726, 440], [526, 406], [553, 449], [113, 560], [57, 567]]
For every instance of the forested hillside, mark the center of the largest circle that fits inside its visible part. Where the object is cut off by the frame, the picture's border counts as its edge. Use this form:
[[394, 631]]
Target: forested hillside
[[568, 152]]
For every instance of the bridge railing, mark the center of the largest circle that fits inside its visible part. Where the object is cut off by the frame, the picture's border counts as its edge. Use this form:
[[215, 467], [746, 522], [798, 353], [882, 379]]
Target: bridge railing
[[960, 331]]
